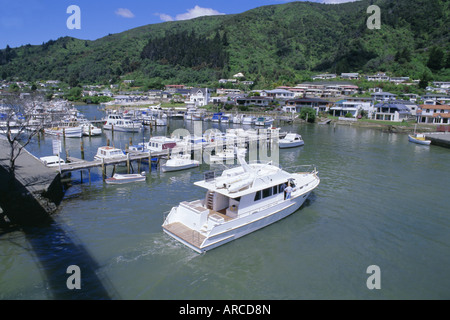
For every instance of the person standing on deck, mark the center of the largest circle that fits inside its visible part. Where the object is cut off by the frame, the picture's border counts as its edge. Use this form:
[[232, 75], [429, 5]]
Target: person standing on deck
[[288, 191]]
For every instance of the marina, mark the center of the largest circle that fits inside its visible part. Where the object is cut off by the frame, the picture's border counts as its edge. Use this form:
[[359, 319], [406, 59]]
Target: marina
[[116, 236]]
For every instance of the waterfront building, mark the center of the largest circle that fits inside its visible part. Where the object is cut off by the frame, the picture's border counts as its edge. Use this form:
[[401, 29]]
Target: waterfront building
[[353, 106], [439, 114], [256, 101], [199, 97], [390, 111], [317, 104]]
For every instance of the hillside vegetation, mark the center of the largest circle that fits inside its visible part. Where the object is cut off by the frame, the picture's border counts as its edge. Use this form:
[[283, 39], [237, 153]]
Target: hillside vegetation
[[271, 45]]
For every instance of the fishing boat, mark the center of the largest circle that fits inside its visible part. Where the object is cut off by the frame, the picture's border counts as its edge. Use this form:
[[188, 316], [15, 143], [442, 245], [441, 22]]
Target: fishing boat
[[126, 178], [419, 138], [179, 162], [68, 129], [109, 153], [118, 123], [239, 201], [264, 121], [291, 140], [161, 143]]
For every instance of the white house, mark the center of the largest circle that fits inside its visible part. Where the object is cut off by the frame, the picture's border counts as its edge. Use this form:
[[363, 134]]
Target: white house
[[324, 76], [391, 111], [383, 96], [199, 97], [353, 106], [350, 76], [439, 114], [378, 77], [278, 94]]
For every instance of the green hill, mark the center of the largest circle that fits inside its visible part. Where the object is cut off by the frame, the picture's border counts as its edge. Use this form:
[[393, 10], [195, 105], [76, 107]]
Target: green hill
[[278, 44]]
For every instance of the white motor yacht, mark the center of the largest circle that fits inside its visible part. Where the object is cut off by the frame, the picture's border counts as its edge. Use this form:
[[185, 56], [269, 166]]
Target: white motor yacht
[[118, 123], [242, 200]]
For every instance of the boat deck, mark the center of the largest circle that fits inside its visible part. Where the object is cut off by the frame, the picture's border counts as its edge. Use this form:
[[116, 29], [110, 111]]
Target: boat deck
[[193, 237], [189, 235]]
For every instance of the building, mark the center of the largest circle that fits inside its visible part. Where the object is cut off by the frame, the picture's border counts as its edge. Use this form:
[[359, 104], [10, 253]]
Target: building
[[350, 76], [389, 111], [228, 91], [383, 96], [378, 77], [325, 76], [353, 106], [199, 97], [317, 104], [255, 101], [278, 94], [439, 114]]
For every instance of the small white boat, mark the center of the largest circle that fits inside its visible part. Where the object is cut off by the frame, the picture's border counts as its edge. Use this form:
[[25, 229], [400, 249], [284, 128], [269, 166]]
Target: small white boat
[[228, 154], [52, 161], [419, 138], [242, 200], [125, 178], [248, 120], [179, 162], [109, 153], [291, 140], [264, 121]]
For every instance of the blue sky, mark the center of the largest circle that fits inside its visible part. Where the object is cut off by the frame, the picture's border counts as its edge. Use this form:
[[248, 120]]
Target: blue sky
[[36, 21]]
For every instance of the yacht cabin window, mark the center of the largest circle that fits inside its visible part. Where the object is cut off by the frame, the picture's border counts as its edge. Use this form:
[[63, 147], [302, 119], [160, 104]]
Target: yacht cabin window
[[267, 192]]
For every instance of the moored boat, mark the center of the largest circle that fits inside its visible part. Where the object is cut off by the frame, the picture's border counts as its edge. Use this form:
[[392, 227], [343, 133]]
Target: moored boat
[[71, 129], [419, 138], [126, 178], [291, 140], [109, 153], [179, 162], [118, 123]]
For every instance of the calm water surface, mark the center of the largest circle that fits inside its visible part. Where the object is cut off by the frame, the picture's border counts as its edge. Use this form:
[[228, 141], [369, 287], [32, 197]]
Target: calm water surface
[[382, 201]]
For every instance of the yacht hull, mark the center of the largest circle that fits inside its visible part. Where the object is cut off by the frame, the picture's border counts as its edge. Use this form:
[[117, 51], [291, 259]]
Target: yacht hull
[[240, 227]]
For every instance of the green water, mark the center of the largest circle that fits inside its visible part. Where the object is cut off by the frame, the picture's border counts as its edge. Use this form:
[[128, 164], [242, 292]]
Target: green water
[[382, 201]]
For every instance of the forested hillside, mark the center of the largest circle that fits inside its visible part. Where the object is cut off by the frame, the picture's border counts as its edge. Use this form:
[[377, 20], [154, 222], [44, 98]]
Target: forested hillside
[[279, 44]]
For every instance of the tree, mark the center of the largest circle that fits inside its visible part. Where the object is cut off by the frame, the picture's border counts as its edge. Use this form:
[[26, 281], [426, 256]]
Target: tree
[[424, 79], [308, 114], [18, 129], [436, 58]]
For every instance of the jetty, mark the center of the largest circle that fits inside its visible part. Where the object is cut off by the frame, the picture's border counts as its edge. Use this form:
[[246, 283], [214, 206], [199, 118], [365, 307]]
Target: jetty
[[33, 192], [441, 139]]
